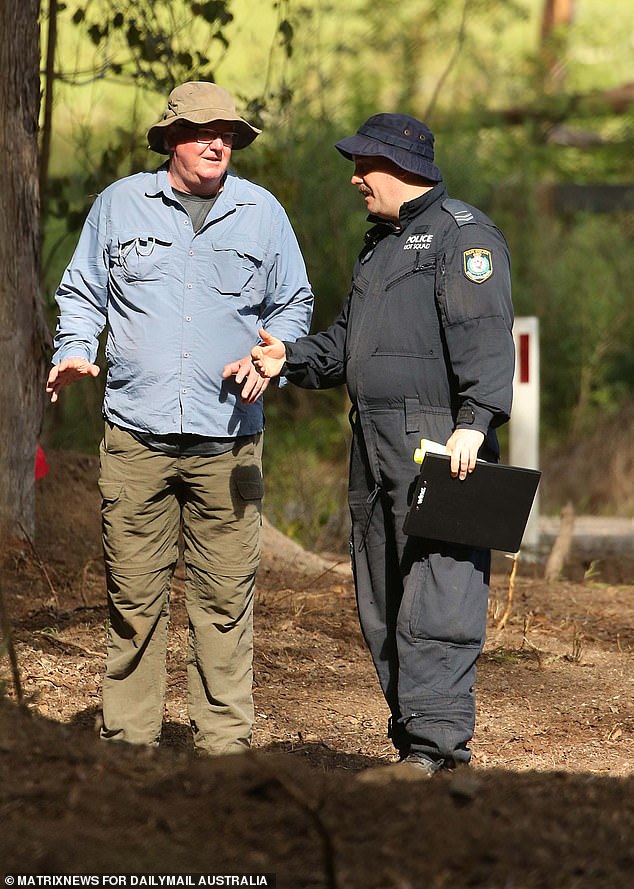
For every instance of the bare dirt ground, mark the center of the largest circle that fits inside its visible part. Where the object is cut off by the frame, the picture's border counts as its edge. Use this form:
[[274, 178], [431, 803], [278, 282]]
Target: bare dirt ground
[[548, 802]]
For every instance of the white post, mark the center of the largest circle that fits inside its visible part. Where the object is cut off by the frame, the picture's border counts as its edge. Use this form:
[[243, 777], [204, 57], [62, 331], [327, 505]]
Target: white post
[[524, 423]]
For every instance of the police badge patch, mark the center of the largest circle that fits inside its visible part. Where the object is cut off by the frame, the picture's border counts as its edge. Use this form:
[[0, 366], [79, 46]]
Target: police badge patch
[[477, 264]]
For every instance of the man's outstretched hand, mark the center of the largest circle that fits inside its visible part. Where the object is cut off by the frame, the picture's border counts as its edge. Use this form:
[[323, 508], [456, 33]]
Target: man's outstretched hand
[[268, 359], [68, 371]]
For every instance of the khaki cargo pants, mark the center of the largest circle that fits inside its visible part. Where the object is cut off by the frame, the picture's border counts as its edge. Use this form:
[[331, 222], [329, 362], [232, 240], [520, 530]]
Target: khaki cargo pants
[[148, 499]]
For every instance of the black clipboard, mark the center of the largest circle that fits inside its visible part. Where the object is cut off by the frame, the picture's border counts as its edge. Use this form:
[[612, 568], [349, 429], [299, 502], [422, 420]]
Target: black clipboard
[[489, 509]]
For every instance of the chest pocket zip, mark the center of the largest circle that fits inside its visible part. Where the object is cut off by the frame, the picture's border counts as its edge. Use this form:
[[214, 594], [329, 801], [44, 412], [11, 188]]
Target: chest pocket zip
[[425, 267]]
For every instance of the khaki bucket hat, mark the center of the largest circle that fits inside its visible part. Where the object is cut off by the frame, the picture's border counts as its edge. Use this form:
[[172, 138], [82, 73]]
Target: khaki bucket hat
[[200, 102]]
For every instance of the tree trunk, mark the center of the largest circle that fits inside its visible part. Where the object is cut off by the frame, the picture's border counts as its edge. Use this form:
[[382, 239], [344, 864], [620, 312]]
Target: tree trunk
[[557, 17], [556, 13], [22, 326]]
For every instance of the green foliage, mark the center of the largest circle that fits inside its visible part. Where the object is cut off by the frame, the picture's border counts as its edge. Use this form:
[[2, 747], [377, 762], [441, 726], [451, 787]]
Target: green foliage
[[582, 293], [157, 45]]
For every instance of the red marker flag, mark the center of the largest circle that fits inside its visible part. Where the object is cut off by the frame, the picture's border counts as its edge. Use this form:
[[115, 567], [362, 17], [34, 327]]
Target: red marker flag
[[41, 466]]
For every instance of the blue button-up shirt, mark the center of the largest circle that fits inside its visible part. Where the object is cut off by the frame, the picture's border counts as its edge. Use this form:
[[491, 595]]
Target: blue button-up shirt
[[180, 305]]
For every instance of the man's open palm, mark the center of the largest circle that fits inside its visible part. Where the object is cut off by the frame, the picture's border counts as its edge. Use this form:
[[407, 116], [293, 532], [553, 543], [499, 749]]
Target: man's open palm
[[268, 359]]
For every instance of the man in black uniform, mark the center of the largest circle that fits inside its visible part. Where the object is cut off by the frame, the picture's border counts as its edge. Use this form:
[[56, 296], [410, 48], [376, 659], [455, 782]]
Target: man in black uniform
[[424, 345]]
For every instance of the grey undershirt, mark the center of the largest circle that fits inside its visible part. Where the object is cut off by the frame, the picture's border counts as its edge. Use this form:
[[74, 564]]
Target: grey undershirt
[[197, 206]]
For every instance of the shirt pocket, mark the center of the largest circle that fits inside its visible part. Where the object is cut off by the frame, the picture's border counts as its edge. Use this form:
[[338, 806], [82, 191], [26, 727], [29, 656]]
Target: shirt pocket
[[236, 271], [140, 256], [408, 321]]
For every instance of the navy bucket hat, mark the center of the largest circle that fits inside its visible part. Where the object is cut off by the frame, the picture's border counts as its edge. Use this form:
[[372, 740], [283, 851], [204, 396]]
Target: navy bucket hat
[[400, 138]]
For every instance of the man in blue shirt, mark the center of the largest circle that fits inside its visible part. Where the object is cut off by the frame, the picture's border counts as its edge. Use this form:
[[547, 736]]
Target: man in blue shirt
[[183, 265]]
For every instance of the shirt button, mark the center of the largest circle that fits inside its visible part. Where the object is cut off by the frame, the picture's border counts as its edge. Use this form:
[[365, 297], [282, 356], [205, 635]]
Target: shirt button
[[185, 221], [191, 252], [184, 391], [185, 354], [189, 286], [188, 317]]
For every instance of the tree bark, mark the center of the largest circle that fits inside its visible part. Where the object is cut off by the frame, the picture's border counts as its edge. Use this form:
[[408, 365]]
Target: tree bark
[[47, 113], [22, 326], [557, 15]]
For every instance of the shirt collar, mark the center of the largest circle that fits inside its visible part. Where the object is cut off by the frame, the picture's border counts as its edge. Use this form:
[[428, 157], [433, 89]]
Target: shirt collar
[[158, 183], [412, 208], [231, 192]]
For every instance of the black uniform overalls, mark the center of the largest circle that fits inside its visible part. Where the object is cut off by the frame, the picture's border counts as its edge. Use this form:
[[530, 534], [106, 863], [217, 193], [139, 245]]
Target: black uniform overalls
[[424, 346]]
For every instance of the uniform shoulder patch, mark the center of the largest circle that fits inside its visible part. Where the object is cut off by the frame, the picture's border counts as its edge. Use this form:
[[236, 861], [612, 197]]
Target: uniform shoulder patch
[[460, 211], [477, 264]]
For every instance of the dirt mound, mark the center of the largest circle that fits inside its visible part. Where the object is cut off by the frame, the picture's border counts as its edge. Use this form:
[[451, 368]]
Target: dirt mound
[[549, 800], [73, 805]]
